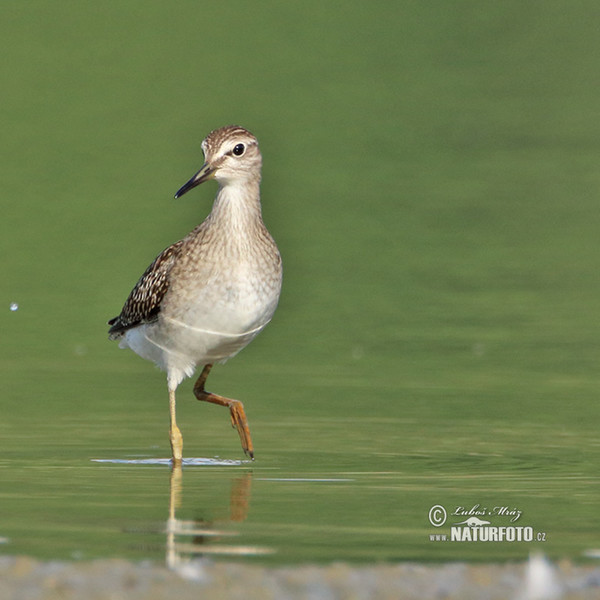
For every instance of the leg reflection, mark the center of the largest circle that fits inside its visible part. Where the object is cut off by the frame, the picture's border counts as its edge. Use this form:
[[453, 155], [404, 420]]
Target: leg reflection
[[188, 540], [240, 498]]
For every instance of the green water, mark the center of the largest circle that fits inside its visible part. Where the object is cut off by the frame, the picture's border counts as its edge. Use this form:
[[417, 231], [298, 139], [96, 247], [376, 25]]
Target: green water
[[431, 177]]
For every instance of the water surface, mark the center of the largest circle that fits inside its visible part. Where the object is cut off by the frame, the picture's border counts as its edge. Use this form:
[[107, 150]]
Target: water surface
[[431, 177]]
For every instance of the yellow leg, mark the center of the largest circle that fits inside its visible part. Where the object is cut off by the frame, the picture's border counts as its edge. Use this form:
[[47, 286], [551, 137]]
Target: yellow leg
[[174, 434], [236, 410]]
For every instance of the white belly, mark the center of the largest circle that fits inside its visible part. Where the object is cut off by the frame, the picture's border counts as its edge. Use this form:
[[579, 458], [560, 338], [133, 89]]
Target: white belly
[[205, 329]]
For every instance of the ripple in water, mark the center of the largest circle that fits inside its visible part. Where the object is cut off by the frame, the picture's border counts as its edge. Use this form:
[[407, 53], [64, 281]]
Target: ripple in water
[[192, 462]]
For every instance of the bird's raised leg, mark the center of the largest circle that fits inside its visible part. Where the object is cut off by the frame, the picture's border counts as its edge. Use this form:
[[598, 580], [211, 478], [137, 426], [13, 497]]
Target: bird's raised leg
[[175, 436], [236, 409]]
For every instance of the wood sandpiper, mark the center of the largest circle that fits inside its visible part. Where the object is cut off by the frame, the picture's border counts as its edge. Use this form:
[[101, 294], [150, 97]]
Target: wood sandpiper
[[208, 295]]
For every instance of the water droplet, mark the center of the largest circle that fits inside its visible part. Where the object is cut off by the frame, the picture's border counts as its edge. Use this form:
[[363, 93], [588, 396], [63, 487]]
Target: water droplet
[[14, 306]]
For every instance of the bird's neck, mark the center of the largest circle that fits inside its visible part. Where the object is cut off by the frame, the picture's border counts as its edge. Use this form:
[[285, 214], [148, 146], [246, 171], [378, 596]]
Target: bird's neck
[[237, 205]]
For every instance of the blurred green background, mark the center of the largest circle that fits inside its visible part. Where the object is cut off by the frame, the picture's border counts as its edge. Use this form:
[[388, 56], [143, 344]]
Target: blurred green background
[[431, 177]]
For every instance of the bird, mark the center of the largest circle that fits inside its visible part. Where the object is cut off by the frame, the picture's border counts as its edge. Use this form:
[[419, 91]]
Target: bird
[[207, 296]]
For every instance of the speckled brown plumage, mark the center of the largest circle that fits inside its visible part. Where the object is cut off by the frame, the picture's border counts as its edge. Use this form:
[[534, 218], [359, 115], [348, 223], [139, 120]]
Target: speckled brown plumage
[[143, 303]]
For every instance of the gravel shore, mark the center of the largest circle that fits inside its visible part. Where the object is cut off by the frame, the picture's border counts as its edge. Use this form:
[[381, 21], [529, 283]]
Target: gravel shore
[[23, 578]]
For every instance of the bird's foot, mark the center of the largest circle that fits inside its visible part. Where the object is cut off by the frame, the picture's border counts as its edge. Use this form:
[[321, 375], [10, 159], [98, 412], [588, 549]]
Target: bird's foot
[[239, 422]]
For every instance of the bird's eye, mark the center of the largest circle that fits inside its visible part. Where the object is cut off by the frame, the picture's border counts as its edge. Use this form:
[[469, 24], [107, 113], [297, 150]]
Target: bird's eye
[[239, 149]]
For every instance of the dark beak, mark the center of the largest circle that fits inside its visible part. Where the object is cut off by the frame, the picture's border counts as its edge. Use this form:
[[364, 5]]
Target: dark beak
[[204, 174]]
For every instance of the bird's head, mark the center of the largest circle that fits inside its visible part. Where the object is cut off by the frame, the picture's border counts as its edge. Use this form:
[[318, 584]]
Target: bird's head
[[231, 155]]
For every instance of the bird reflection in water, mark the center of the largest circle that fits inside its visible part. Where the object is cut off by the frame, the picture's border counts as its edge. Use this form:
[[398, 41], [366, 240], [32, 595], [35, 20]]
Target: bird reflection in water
[[189, 540]]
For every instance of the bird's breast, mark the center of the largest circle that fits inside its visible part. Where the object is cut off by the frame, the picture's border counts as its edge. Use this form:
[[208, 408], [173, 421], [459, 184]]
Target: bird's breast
[[232, 301], [223, 290]]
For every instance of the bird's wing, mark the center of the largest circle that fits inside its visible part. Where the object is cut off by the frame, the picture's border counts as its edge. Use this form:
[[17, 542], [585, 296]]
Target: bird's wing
[[143, 304]]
